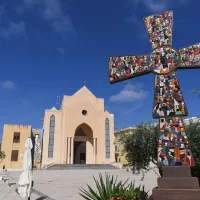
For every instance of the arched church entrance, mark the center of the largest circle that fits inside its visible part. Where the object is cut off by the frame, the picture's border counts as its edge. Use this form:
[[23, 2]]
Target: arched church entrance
[[83, 144]]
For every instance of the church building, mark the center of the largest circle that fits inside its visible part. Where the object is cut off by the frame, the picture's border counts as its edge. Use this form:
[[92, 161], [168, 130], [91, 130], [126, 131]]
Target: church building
[[80, 132]]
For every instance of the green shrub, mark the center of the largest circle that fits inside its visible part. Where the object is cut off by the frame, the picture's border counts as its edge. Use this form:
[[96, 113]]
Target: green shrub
[[113, 190], [195, 171]]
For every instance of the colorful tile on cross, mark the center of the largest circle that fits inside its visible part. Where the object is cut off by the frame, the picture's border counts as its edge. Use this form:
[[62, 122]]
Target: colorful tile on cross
[[168, 98], [173, 143]]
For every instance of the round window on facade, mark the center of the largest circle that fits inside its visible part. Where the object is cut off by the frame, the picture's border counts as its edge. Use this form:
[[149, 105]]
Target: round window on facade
[[84, 112]]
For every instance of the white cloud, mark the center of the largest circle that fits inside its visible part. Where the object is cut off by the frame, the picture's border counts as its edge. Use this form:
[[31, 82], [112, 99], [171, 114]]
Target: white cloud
[[2, 9], [141, 31], [133, 19], [132, 110], [129, 93], [29, 2], [52, 9], [58, 19], [16, 30], [154, 6], [61, 51], [183, 1], [51, 12], [157, 5], [8, 85]]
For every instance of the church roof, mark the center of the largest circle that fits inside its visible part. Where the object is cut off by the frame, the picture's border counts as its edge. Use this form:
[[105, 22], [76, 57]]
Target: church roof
[[84, 90]]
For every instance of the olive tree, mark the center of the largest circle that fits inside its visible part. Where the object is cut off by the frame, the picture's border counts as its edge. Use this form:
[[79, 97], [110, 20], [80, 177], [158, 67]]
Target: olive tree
[[141, 147], [192, 130]]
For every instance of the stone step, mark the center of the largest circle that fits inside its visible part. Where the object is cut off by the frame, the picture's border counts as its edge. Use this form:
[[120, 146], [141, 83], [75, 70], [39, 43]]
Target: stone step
[[12, 183], [176, 194], [176, 171], [35, 197], [81, 166], [2, 173], [2, 176], [5, 191], [11, 194], [178, 183], [5, 179]]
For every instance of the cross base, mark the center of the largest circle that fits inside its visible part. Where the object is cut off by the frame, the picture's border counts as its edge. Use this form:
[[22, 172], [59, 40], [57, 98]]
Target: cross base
[[177, 183]]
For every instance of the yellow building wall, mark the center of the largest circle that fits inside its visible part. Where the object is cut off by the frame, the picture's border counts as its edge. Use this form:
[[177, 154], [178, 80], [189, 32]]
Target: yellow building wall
[[120, 156], [8, 145]]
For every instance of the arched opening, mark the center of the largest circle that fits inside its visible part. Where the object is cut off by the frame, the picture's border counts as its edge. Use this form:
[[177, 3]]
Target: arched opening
[[83, 144]]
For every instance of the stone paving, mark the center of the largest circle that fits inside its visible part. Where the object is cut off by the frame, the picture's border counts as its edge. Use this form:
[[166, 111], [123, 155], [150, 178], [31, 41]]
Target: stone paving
[[8, 189], [9, 193], [63, 184]]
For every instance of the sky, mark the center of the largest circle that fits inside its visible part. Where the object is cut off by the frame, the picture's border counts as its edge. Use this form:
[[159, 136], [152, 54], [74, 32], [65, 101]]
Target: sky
[[48, 48]]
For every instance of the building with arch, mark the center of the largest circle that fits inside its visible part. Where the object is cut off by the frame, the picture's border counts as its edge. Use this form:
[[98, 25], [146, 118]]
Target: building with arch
[[80, 132]]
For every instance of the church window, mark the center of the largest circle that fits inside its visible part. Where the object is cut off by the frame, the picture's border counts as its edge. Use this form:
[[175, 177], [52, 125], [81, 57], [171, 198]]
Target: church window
[[51, 136], [107, 138], [16, 137], [14, 155]]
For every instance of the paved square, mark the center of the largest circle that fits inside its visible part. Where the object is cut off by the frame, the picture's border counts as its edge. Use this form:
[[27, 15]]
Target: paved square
[[63, 184]]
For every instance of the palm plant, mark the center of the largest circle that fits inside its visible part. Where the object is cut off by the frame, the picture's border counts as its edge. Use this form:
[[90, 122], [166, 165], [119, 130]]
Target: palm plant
[[112, 189]]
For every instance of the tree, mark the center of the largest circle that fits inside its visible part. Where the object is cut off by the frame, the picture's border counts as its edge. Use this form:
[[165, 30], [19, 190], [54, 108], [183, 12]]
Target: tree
[[140, 147], [2, 156], [192, 130], [141, 150]]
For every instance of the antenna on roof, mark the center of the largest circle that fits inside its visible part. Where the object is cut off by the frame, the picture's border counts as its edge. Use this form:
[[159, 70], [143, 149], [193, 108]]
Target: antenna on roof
[[84, 83], [58, 100]]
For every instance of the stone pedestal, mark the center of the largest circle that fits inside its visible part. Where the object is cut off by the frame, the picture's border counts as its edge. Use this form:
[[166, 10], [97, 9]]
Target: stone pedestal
[[176, 184]]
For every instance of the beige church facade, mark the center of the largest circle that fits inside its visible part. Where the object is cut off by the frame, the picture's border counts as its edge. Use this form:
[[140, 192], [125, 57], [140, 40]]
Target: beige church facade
[[80, 132]]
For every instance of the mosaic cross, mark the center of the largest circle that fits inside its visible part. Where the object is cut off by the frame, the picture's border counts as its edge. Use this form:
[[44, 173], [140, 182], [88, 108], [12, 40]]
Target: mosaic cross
[[169, 105]]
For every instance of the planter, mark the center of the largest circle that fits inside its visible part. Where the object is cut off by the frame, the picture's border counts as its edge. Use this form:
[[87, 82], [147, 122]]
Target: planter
[[195, 172]]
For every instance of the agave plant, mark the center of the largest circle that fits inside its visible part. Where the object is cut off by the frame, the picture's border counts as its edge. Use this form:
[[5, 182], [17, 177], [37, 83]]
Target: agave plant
[[112, 189]]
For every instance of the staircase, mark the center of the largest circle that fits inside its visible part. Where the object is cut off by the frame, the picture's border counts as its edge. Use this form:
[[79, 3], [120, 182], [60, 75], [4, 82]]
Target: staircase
[[82, 166]]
